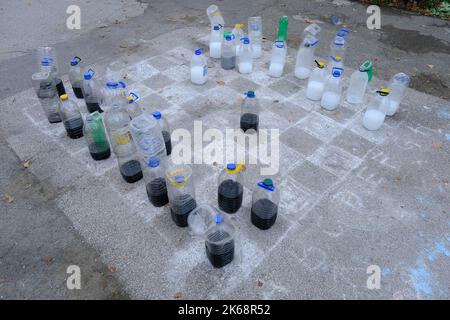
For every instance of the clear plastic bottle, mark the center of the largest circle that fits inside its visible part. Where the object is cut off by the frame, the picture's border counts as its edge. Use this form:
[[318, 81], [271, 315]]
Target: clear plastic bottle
[[96, 138], [250, 113], [313, 29], [305, 57], [332, 92], [245, 59], [228, 60], [238, 34], [165, 129], [47, 94], [214, 15], [358, 83], [337, 53], [265, 199], [230, 191], [255, 35], [316, 82], [397, 88], [278, 58], [71, 117], [155, 182], [181, 190], [76, 77], [133, 108], [199, 68], [92, 92], [376, 110], [48, 62], [215, 42]]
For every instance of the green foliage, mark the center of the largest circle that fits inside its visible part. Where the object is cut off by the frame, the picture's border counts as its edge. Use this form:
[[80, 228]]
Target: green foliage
[[442, 11]]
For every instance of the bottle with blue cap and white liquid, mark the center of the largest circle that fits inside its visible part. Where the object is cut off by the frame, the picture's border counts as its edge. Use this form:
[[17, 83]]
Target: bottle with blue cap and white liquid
[[249, 113], [332, 92], [305, 57], [228, 60], [155, 182], [230, 191], [245, 57], [181, 191], [376, 110], [47, 95], [71, 117], [397, 88], [316, 82], [92, 92], [76, 77], [218, 233], [215, 42], [265, 199], [165, 129], [358, 83], [48, 62], [199, 68], [133, 108], [96, 137]]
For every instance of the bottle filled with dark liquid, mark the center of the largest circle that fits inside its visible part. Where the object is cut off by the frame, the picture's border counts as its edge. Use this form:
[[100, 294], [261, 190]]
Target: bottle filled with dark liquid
[[230, 191], [92, 92], [47, 95], [164, 124], [155, 183], [96, 138], [76, 77], [265, 199], [71, 117], [228, 58], [249, 113]]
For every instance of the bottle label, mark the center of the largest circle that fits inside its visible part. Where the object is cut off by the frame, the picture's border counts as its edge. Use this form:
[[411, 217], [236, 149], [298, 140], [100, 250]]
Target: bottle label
[[279, 44], [122, 139]]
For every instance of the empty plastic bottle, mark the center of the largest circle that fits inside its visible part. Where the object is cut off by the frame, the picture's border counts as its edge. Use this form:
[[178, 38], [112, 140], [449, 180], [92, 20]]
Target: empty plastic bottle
[[255, 36], [199, 68], [214, 15], [316, 82], [92, 92], [95, 134], [265, 200], [278, 58], [181, 190], [76, 77], [217, 231], [245, 59], [215, 42], [305, 57], [332, 92], [238, 34], [228, 60], [250, 113], [358, 83], [337, 52], [47, 94], [71, 117], [376, 110], [230, 191], [165, 129], [313, 29], [282, 28], [133, 108], [48, 62], [155, 183], [397, 88]]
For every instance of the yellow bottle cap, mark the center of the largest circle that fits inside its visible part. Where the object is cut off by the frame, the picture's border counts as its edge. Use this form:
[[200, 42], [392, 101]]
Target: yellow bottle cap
[[64, 97], [239, 25], [383, 91]]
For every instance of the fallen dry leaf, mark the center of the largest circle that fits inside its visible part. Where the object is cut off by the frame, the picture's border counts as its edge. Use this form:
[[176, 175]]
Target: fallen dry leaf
[[26, 164], [8, 198], [430, 66], [436, 145], [444, 181], [112, 269], [220, 82], [48, 259], [178, 295], [398, 178]]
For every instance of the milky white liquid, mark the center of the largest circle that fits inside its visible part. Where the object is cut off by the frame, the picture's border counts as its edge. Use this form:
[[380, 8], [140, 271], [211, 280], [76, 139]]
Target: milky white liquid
[[314, 90], [276, 69], [257, 51], [215, 50], [373, 119], [245, 67], [330, 100], [197, 75], [302, 73], [393, 106]]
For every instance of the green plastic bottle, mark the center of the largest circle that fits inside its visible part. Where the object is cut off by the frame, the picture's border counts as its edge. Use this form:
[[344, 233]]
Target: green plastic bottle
[[282, 28]]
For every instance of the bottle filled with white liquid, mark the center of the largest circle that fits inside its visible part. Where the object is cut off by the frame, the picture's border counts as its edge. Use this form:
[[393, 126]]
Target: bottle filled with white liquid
[[255, 35], [278, 59], [397, 88], [305, 57], [199, 68], [376, 110], [358, 83], [332, 93], [215, 42], [316, 83], [245, 59]]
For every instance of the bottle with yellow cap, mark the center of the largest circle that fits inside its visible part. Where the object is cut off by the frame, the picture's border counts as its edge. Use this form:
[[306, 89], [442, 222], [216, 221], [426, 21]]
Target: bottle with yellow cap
[[230, 190], [376, 110], [316, 82], [265, 199], [71, 117]]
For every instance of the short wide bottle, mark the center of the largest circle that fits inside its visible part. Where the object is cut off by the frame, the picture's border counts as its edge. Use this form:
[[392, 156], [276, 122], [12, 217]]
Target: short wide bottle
[[265, 200]]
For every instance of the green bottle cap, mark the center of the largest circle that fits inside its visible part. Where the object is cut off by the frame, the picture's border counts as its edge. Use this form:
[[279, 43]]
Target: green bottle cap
[[268, 182], [367, 67]]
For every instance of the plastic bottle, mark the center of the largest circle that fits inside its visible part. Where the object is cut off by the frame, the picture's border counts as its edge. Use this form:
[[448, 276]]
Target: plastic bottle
[[133, 108], [215, 42], [282, 28], [47, 94], [199, 68], [165, 130], [397, 88], [228, 60], [255, 36], [230, 191], [250, 113], [214, 15], [313, 29], [181, 190], [76, 77], [71, 117], [376, 110], [316, 82], [305, 57], [95, 134], [92, 92], [332, 93], [358, 83], [218, 233], [337, 53], [245, 60], [238, 34], [278, 58], [48, 62], [155, 183], [265, 198]]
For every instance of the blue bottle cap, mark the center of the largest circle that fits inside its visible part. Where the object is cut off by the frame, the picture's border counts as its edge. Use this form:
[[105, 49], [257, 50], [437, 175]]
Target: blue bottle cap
[[337, 72], [157, 115], [112, 85], [89, 74], [216, 27], [179, 178], [245, 40], [231, 166], [75, 61], [228, 37], [46, 61], [198, 52], [153, 162], [250, 94], [218, 218]]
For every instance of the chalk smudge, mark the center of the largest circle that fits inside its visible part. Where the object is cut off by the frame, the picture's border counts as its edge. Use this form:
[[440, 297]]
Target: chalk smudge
[[424, 199], [421, 279], [438, 249]]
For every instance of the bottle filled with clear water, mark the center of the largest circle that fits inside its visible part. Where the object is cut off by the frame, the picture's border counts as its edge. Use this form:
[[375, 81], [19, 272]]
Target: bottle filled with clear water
[[376, 110], [48, 62], [133, 108], [245, 57], [228, 60], [76, 77], [155, 182], [397, 88], [316, 82], [71, 117], [255, 36], [199, 68], [249, 113], [47, 95], [358, 83], [92, 92], [230, 191], [215, 42], [305, 57], [265, 199], [165, 129], [181, 190], [278, 58], [332, 92], [96, 138]]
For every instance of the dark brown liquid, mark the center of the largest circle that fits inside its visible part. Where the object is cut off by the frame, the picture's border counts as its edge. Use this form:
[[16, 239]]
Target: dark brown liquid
[[157, 192], [131, 171], [230, 195]]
